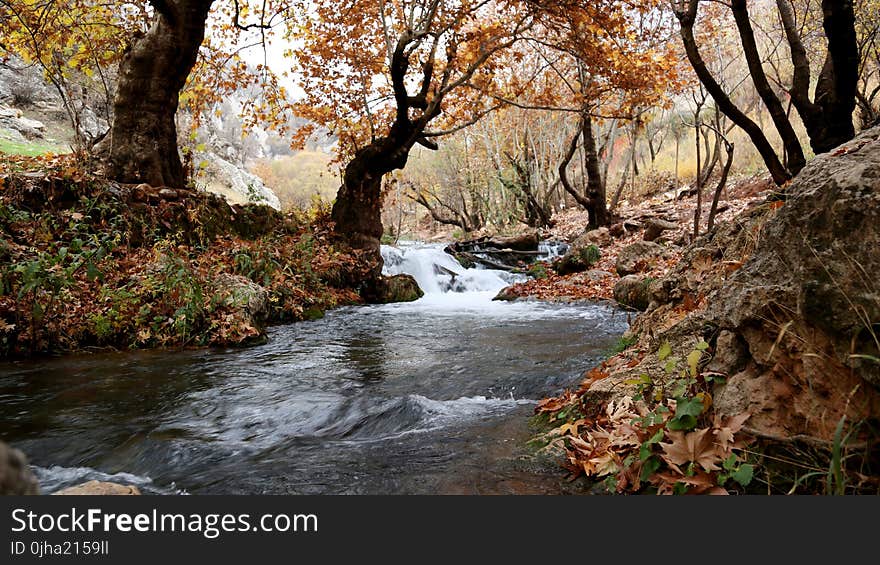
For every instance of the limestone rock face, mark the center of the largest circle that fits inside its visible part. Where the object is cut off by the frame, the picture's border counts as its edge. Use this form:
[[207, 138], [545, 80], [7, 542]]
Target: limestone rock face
[[787, 295], [807, 303], [234, 183]]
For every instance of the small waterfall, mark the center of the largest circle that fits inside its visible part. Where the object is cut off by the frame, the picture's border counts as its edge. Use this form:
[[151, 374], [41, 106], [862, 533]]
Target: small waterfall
[[438, 272], [552, 249]]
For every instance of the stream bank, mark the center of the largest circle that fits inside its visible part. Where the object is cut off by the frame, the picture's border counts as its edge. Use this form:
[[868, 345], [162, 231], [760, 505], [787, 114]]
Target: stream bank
[[87, 264]]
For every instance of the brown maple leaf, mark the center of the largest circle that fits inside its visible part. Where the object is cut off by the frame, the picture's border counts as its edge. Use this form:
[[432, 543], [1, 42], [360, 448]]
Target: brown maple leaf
[[697, 447], [726, 429], [700, 483]]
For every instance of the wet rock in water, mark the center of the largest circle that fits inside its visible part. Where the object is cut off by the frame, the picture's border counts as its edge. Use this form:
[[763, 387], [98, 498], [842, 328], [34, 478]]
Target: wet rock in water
[[399, 288], [502, 253], [16, 477], [525, 242], [101, 488], [654, 228], [638, 257], [632, 291], [580, 256], [506, 294]]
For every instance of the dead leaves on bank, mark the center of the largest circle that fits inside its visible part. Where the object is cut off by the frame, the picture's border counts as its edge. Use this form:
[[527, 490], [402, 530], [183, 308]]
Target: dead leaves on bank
[[630, 446]]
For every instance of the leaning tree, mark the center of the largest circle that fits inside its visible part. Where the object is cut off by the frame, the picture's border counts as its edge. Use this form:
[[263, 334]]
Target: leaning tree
[[379, 74]]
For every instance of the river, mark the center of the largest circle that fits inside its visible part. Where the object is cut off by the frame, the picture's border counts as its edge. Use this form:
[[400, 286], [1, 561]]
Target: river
[[427, 397]]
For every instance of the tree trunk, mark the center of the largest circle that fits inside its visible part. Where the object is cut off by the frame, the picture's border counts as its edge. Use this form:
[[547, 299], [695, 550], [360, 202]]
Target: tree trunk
[[793, 150], [828, 117], [677, 144], [698, 179], [722, 182], [142, 143], [563, 173], [619, 190], [598, 208], [838, 81], [687, 18]]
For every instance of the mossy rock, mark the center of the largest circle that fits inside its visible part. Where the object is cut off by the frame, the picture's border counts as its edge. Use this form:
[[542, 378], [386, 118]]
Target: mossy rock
[[578, 259], [399, 288]]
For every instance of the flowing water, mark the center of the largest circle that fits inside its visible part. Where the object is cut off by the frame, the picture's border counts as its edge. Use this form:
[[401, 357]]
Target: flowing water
[[431, 396]]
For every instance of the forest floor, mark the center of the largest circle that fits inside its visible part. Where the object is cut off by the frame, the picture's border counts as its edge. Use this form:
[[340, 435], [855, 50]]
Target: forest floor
[[629, 229]]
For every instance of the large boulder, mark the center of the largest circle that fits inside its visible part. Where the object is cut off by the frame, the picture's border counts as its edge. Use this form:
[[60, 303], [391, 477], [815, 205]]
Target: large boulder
[[807, 303], [787, 299], [13, 120], [632, 291], [15, 475], [638, 257], [599, 237]]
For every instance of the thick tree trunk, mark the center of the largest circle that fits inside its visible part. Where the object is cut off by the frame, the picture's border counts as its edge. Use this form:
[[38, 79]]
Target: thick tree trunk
[[828, 117], [838, 81], [698, 181], [618, 192], [563, 173], [357, 211], [142, 143]]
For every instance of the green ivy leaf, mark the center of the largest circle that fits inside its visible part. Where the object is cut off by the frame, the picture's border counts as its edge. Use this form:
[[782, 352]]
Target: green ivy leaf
[[649, 467], [92, 272], [744, 474], [683, 423], [730, 463], [645, 450], [686, 412]]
